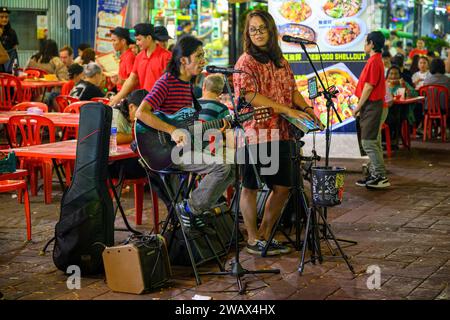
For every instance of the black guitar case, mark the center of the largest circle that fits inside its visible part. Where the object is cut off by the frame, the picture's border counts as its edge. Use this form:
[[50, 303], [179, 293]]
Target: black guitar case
[[86, 222]]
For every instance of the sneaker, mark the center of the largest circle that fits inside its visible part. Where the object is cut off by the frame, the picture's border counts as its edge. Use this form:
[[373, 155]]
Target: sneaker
[[363, 182], [258, 248], [201, 224], [186, 218], [378, 182], [277, 245]]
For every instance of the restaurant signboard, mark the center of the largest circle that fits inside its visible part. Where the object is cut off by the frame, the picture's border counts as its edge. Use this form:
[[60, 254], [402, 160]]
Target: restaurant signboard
[[110, 14], [339, 27]]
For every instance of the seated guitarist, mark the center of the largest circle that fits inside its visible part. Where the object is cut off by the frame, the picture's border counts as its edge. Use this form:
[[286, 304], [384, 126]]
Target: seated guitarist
[[275, 87], [172, 92]]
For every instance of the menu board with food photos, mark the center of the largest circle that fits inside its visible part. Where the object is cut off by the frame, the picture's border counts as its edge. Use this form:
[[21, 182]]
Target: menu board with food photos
[[339, 27]]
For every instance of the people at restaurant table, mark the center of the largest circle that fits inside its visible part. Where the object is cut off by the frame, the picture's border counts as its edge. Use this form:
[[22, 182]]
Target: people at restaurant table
[[87, 56], [162, 36], [423, 72], [93, 84], [149, 65], [47, 59], [399, 61], [66, 56], [80, 49], [419, 49], [76, 74], [438, 77], [121, 41], [404, 112], [370, 112], [9, 41]]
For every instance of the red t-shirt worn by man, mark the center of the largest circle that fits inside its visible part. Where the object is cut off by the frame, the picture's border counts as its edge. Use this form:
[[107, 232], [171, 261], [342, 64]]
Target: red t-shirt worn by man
[[416, 51], [150, 69], [373, 74], [125, 67], [67, 87]]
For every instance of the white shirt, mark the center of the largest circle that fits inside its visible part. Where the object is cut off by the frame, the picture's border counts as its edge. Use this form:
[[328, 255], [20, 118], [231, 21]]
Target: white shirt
[[419, 76]]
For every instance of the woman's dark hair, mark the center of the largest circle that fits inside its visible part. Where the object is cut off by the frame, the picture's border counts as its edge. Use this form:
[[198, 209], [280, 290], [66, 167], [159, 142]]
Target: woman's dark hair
[[273, 52], [186, 46], [398, 60], [391, 68], [47, 51], [378, 40], [84, 46], [386, 54], [88, 56], [136, 98], [414, 64], [437, 66]]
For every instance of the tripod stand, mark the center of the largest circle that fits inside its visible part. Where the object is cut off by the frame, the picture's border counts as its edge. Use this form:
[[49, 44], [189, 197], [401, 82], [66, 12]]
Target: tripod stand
[[237, 269], [329, 94]]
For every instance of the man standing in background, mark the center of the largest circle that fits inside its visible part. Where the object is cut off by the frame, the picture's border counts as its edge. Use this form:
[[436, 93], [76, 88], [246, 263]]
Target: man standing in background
[[149, 65], [121, 41]]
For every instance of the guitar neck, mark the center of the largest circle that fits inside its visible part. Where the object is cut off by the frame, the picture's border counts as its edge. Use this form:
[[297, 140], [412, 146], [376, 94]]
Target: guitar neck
[[215, 124]]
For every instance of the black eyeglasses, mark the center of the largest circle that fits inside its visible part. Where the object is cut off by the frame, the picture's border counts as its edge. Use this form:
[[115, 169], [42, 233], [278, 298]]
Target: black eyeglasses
[[254, 31]]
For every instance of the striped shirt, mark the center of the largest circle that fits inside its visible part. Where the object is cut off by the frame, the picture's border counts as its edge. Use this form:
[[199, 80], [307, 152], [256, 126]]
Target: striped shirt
[[170, 94], [212, 110]]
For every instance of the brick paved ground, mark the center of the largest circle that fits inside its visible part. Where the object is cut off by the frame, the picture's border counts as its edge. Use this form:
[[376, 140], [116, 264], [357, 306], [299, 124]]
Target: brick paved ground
[[404, 231]]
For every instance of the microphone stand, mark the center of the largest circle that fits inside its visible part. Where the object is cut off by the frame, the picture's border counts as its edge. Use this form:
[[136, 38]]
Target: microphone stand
[[237, 270], [330, 106]]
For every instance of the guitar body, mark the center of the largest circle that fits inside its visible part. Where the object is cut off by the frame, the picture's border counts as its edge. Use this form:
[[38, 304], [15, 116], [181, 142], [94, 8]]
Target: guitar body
[[155, 147]]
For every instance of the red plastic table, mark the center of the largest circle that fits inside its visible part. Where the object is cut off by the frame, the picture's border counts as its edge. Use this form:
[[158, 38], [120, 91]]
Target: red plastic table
[[64, 150], [59, 119], [406, 139]]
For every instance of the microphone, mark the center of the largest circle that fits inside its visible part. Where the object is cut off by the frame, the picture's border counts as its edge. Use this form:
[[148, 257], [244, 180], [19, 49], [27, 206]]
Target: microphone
[[287, 38], [214, 69]]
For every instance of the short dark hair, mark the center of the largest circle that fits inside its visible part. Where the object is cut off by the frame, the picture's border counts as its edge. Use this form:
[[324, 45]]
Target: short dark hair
[[68, 49], [437, 66], [136, 97], [84, 46], [399, 44], [398, 60], [377, 39], [186, 46]]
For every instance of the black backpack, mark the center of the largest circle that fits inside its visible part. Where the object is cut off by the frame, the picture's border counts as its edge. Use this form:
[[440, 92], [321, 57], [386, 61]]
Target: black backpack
[[86, 222]]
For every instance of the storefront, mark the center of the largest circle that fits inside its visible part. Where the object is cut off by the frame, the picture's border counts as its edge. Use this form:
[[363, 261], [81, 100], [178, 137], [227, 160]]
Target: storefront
[[209, 21], [35, 20]]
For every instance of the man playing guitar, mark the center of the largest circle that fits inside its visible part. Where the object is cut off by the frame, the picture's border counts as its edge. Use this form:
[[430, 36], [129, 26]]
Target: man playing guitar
[[171, 93]]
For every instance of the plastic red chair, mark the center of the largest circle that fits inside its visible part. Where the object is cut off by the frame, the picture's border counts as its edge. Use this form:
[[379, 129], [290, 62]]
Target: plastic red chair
[[75, 107], [64, 101], [139, 185], [11, 91], [30, 128], [102, 100], [36, 72], [31, 74], [436, 100], [24, 106], [14, 182]]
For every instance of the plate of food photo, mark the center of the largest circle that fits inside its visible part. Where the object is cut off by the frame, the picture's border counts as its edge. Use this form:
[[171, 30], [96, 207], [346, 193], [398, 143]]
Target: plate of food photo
[[296, 30], [344, 33], [293, 11], [340, 76], [338, 9]]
